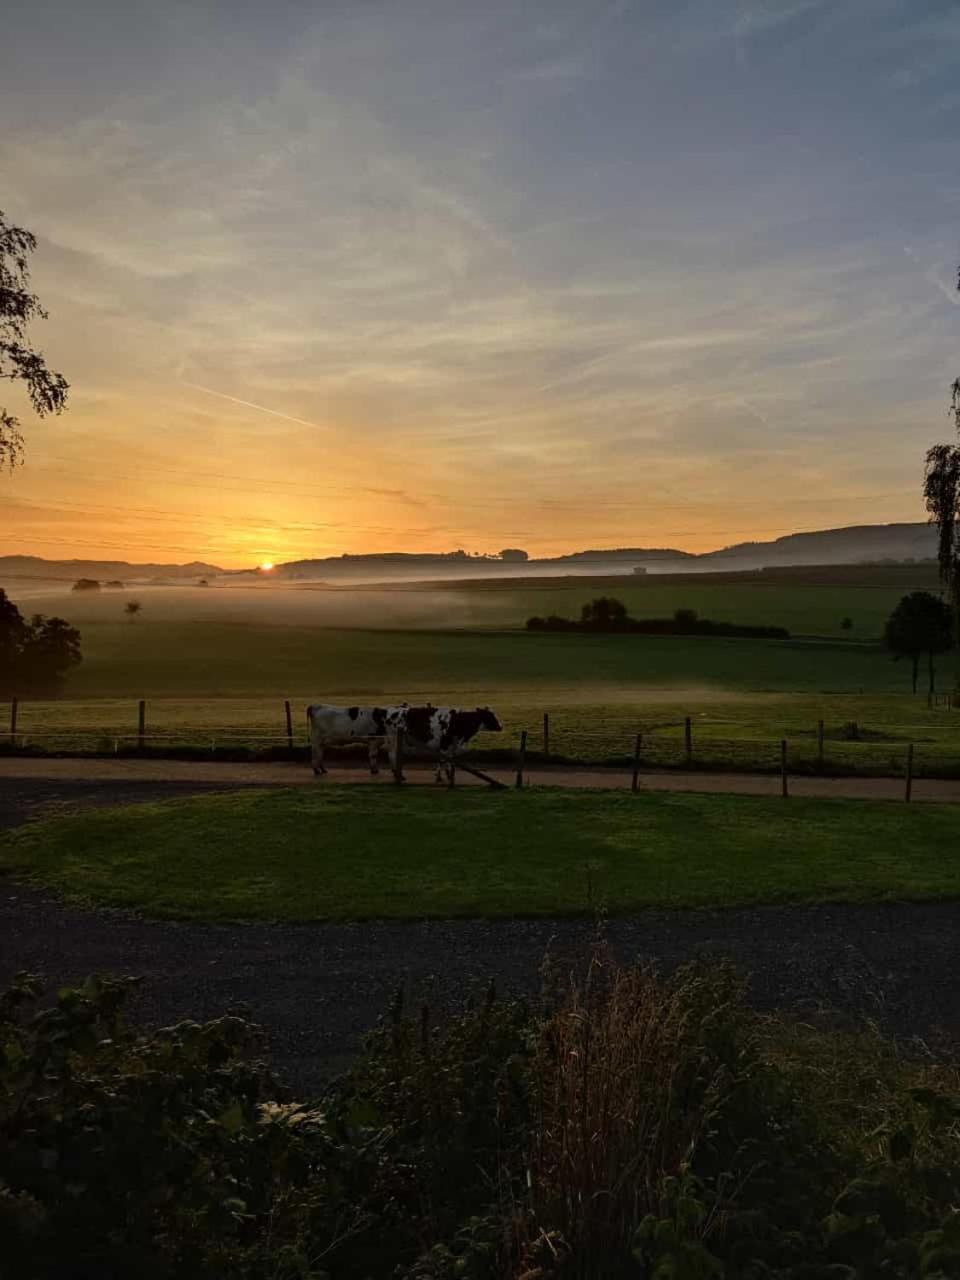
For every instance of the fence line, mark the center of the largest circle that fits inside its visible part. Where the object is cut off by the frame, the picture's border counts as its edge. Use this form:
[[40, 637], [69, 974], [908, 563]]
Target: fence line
[[646, 744]]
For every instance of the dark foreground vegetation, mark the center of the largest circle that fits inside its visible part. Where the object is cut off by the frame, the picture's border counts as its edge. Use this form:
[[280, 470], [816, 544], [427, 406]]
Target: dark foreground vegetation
[[625, 1126], [606, 614]]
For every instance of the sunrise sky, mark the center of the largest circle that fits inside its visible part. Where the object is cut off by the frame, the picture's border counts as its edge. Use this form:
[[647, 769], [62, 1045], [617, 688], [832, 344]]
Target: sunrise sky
[[348, 275]]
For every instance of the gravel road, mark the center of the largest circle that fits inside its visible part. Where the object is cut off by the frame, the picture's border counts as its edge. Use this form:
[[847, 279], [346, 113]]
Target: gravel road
[[317, 988], [262, 773]]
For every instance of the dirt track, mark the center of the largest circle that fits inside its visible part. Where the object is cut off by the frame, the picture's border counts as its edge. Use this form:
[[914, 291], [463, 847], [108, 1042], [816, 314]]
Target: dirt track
[[317, 987], [292, 775]]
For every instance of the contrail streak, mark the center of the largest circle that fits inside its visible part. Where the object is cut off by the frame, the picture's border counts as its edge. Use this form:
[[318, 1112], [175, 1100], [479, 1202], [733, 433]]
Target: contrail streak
[[934, 279], [250, 405]]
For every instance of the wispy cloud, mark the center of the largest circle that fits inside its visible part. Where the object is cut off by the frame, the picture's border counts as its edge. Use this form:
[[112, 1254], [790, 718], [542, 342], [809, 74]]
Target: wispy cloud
[[486, 254]]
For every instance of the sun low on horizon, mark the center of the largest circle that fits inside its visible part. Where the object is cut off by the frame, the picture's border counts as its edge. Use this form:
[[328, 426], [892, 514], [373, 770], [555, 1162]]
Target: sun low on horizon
[[431, 277]]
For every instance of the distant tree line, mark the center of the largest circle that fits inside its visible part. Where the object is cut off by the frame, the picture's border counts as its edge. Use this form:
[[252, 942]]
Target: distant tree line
[[608, 615], [35, 655]]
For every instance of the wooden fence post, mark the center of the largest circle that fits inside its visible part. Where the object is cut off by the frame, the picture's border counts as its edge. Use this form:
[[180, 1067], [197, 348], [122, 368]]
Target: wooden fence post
[[398, 761], [141, 724], [820, 744], [522, 757], [688, 739], [286, 707], [783, 768], [908, 788], [635, 782], [14, 704], [546, 735]]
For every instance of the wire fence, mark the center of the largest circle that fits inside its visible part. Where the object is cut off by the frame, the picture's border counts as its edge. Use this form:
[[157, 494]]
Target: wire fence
[[564, 737]]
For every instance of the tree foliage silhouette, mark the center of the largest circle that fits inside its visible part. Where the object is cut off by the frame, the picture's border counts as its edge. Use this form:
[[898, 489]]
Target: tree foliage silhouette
[[605, 613], [941, 490], [35, 656], [920, 624], [19, 362]]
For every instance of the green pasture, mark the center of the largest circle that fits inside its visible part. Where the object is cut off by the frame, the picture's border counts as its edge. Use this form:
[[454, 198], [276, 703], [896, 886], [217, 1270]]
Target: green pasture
[[213, 659], [340, 853]]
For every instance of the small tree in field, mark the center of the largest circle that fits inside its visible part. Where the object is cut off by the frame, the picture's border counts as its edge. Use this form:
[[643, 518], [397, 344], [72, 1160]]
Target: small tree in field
[[846, 624], [920, 624], [86, 584], [132, 608], [605, 613]]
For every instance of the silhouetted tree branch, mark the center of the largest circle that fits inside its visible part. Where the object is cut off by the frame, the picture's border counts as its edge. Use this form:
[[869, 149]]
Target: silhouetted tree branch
[[18, 360]]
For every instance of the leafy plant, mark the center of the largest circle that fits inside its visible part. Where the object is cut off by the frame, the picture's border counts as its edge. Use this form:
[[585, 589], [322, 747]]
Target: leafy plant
[[627, 1125]]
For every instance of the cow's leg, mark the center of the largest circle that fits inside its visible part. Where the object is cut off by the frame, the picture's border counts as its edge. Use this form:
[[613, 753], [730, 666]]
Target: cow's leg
[[445, 769], [373, 753], [316, 756]]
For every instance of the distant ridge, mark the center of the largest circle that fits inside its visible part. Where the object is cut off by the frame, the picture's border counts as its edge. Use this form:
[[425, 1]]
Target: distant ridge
[[853, 544], [37, 567], [849, 545]]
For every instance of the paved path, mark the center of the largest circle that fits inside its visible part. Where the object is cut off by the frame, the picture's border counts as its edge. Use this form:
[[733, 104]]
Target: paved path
[[280, 773], [285, 774]]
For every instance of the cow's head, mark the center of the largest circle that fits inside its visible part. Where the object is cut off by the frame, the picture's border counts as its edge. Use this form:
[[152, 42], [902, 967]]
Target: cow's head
[[488, 720]]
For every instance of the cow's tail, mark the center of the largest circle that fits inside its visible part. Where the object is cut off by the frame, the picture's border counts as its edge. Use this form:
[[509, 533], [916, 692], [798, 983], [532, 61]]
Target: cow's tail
[[310, 717]]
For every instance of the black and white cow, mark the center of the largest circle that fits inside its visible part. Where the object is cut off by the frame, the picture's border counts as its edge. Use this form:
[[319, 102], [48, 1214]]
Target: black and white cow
[[446, 730], [347, 724], [443, 730]]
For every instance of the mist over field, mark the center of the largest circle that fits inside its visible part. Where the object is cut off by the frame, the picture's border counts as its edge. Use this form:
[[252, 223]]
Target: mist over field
[[843, 602], [273, 605]]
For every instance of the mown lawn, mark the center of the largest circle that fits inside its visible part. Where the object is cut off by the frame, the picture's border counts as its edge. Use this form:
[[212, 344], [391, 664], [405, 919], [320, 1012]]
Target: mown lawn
[[339, 853]]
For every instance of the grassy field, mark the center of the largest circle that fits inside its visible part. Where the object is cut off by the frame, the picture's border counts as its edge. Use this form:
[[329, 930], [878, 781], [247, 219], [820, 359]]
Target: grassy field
[[215, 666], [214, 659], [344, 854]]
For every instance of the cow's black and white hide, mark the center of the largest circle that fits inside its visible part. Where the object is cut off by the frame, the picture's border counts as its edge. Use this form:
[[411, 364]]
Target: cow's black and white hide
[[347, 724], [446, 731]]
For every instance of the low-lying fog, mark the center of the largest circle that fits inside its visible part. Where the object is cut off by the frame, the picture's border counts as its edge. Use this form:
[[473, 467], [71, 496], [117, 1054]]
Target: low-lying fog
[[278, 605]]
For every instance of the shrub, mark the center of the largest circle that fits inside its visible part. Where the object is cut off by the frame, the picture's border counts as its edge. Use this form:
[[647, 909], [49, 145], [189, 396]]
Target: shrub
[[606, 615], [627, 1126], [35, 656]]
